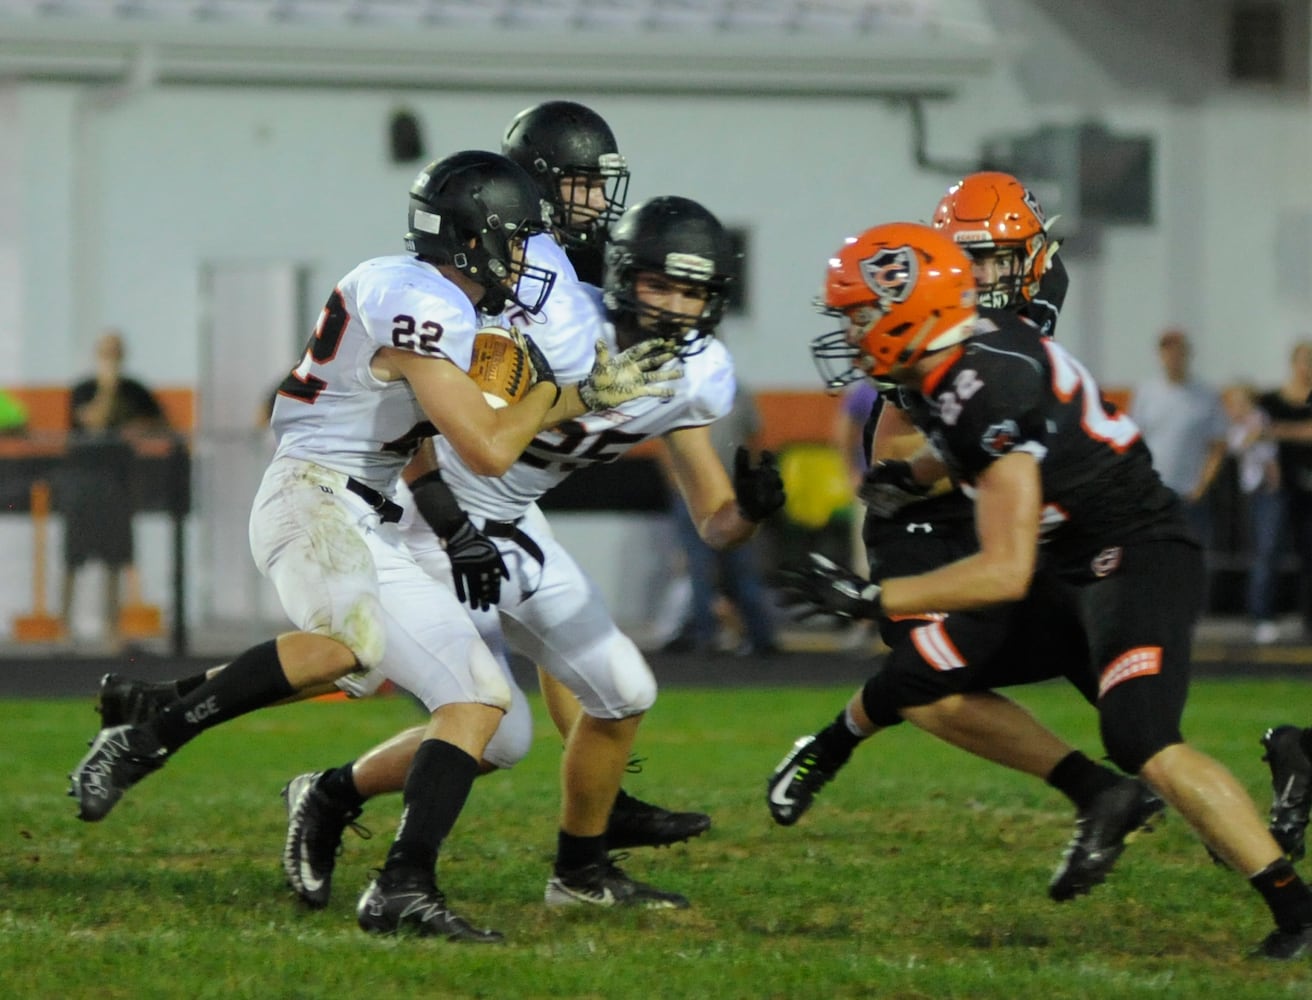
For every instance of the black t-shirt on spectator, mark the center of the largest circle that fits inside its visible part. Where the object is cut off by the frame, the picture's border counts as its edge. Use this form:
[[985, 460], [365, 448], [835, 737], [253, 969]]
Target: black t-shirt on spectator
[[1294, 457], [132, 402]]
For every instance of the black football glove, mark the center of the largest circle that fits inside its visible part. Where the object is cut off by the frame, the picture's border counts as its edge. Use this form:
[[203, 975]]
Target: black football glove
[[541, 367], [760, 488], [822, 587], [476, 562], [476, 565], [888, 486]]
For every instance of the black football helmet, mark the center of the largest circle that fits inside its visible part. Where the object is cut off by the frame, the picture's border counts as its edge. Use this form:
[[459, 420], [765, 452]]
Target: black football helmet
[[559, 139], [472, 211], [679, 238]]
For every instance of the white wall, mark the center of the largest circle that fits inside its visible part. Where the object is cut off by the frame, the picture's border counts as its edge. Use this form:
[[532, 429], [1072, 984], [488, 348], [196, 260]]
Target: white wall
[[123, 202]]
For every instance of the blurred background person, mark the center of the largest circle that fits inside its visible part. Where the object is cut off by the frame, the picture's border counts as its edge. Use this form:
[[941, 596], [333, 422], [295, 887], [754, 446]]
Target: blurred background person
[[1291, 429], [1258, 475], [94, 492], [849, 429], [859, 402], [1185, 428], [736, 574]]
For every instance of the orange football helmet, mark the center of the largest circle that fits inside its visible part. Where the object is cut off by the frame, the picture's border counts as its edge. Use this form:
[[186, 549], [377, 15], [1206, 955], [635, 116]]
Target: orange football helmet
[[904, 290], [994, 216]]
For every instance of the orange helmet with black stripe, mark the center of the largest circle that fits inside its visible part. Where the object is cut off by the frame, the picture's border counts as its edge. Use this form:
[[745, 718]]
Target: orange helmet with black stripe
[[903, 290]]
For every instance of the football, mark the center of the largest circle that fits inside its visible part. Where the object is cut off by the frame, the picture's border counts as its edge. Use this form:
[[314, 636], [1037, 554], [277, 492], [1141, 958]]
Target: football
[[500, 366]]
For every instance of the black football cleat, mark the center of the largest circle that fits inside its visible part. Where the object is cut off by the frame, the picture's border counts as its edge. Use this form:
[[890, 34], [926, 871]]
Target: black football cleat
[[314, 838], [1285, 946], [605, 885], [634, 823], [1291, 787], [124, 702], [793, 786], [1101, 833], [119, 757], [416, 907]]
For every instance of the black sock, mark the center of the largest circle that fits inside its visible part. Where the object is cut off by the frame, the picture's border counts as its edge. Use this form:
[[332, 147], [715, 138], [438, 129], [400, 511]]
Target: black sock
[[574, 852], [1286, 895], [837, 741], [253, 680], [1080, 779], [338, 784], [185, 685], [436, 788]]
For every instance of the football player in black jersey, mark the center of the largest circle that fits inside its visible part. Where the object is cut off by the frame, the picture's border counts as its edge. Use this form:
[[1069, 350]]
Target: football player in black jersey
[[940, 669], [1068, 511]]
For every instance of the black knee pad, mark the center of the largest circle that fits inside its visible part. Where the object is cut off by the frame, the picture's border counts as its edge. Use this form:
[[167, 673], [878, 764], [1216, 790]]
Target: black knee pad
[[880, 701], [1131, 734]]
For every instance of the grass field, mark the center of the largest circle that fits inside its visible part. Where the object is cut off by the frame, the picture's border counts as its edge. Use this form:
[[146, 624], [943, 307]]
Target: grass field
[[920, 872]]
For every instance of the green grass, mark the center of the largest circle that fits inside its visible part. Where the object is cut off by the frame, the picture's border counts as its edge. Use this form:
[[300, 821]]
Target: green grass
[[920, 873]]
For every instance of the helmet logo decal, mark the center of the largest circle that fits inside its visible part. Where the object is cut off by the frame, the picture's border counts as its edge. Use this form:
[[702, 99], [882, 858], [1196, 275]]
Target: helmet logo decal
[[1033, 204], [689, 265], [890, 273], [427, 222]]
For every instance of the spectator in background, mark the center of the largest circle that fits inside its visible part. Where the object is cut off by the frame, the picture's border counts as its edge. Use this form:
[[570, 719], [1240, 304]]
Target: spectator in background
[[94, 491], [849, 438], [1185, 428], [1259, 488], [1291, 428], [736, 573], [859, 406]]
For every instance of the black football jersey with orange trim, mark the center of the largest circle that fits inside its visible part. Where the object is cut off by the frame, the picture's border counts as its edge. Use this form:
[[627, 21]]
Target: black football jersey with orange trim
[[1006, 390]]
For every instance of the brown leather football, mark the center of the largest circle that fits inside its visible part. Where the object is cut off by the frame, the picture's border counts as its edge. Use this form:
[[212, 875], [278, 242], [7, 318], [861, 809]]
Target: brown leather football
[[500, 366]]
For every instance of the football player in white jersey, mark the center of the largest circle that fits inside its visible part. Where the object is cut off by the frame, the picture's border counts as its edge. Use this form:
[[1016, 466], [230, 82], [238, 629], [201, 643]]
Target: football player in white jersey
[[666, 266], [385, 370], [572, 153]]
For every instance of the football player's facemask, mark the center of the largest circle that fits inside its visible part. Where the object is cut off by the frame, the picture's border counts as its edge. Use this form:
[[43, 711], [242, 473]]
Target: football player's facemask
[[670, 309], [1001, 224], [570, 151], [473, 211], [903, 291], [676, 244], [589, 201]]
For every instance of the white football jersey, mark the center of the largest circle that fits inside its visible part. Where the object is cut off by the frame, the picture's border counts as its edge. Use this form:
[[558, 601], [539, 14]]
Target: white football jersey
[[331, 409], [702, 396], [570, 322]]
